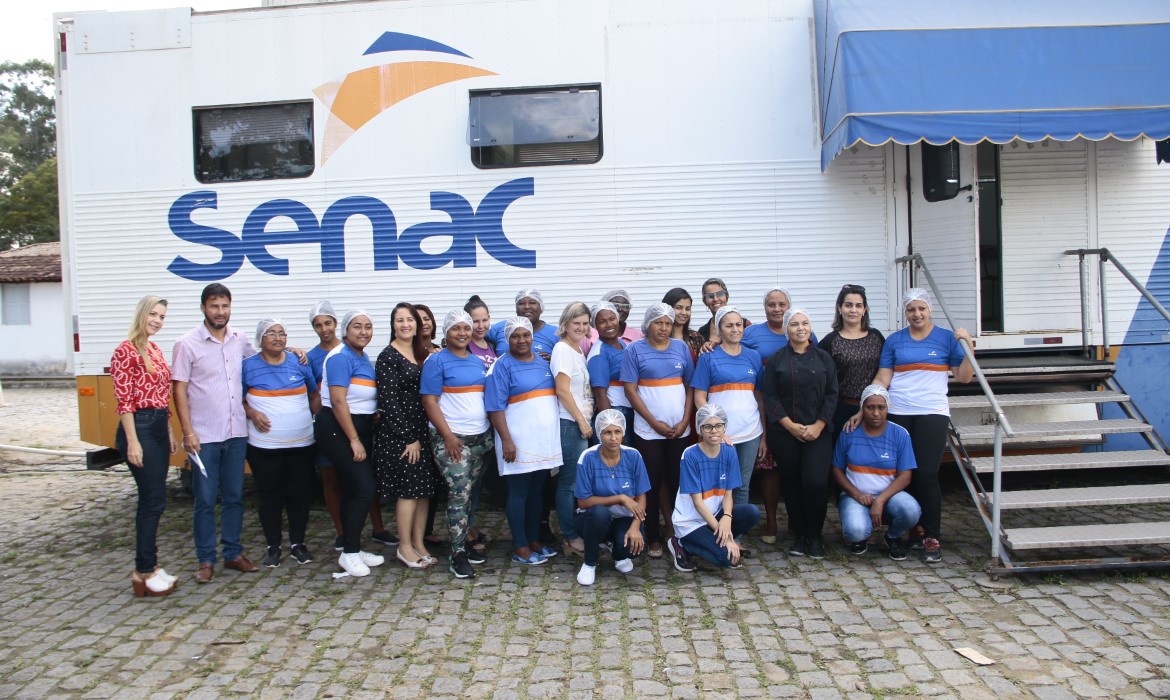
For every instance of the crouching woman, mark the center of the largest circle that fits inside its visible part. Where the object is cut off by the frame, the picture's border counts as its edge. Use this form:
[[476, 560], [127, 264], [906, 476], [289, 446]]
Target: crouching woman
[[873, 466]]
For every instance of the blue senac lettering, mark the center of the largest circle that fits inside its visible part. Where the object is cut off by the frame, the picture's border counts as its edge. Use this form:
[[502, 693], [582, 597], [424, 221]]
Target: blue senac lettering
[[460, 228], [489, 224], [333, 232], [256, 239], [231, 248]]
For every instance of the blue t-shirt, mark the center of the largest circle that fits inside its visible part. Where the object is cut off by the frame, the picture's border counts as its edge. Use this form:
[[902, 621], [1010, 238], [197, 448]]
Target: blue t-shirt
[[511, 379], [543, 340], [280, 392], [596, 478], [713, 477], [759, 337], [871, 462], [316, 358], [459, 383], [605, 367], [919, 384], [662, 377], [730, 381], [344, 367]]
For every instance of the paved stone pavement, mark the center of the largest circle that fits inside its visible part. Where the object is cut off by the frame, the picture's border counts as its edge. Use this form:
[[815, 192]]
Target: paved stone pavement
[[841, 627]]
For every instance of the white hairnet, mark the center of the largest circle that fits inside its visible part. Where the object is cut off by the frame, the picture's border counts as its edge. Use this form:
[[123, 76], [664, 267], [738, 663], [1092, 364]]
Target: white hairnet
[[350, 316], [782, 290], [723, 311], [512, 324], [530, 294], [874, 390], [455, 317], [794, 311], [655, 312], [263, 326], [915, 294], [617, 294], [608, 417], [322, 308], [599, 306], [708, 411]]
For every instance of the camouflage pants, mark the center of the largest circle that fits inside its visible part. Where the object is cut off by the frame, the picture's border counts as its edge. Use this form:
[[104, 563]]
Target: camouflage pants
[[461, 475]]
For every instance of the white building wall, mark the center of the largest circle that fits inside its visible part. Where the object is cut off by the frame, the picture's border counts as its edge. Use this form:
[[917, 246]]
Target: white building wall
[[39, 348]]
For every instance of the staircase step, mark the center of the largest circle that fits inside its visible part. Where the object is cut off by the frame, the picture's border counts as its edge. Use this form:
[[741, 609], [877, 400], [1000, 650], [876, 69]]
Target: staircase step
[[1117, 534], [972, 433], [1075, 460], [1056, 398], [1093, 496]]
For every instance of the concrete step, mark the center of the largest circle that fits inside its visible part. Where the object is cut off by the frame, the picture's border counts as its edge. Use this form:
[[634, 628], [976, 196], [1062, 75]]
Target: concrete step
[[1115, 535], [1075, 460], [982, 436], [1056, 398], [1094, 496]]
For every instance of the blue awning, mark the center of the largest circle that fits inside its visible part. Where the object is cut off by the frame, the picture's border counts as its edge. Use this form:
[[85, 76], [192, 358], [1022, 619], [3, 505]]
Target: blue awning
[[997, 70]]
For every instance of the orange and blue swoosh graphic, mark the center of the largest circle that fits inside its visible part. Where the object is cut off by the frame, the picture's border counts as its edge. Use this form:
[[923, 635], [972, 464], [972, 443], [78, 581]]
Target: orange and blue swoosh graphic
[[360, 96]]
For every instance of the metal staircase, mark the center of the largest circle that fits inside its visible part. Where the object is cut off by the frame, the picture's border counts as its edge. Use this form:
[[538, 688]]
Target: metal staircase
[[1055, 426]]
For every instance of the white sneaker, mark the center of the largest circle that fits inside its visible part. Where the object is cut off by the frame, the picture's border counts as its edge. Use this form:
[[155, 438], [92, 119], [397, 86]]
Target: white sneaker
[[372, 559], [586, 575], [625, 565], [353, 564]]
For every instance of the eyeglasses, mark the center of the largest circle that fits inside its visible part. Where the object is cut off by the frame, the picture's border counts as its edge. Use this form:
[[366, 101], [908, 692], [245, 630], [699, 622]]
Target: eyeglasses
[[715, 295], [857, 288], [621, 307], [712, 427], [274, 334]]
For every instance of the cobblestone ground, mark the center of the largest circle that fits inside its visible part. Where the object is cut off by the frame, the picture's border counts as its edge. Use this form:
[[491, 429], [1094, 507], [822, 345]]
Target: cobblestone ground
[[840, 627]]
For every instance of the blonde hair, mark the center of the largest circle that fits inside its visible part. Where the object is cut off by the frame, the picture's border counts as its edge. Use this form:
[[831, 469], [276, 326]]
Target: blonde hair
[[572, 311], [138, 336]]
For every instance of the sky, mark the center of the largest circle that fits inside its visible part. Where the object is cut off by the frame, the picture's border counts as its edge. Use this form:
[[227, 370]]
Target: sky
[[26, 26]]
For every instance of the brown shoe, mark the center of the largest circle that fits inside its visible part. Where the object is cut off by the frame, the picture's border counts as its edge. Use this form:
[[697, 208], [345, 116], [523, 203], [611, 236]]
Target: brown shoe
[[241, 563], [205, 572]]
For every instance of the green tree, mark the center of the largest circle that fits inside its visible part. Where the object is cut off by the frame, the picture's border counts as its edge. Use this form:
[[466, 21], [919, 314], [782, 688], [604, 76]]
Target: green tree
[[28, 212]]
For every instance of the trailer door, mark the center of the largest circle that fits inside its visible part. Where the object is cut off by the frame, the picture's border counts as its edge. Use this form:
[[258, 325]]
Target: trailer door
[[946, 234]]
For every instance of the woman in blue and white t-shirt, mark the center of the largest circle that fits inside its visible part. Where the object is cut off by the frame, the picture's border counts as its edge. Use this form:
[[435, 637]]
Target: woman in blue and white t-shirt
[[605, 364]]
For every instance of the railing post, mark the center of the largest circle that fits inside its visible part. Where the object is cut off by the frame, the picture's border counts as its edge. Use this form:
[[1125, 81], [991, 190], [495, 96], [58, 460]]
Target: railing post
[[1101, 260], [995, 494], [1084, 303]]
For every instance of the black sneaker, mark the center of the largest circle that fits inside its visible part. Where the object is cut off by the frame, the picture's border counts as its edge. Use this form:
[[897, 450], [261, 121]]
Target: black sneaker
[[915, 537], [897, 547], [858, 548], [682, 560], [339, 544], [384, 537], [799, 547], [273, 559], [931, 551], [816, 548], [475, 556], [301, 553], [460, 566]]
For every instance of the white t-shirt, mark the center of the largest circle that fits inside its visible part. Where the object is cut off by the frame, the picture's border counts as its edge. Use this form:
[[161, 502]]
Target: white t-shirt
[[567, 361]]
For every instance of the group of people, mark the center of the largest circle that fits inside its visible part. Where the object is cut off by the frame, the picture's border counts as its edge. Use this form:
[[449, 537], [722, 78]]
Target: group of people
[[642, 439]]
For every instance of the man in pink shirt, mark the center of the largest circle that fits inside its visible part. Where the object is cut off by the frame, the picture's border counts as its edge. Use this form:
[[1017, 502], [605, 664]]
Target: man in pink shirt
[[208, 396]]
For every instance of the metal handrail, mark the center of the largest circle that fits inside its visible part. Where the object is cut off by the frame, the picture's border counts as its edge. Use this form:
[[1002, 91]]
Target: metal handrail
[[1103, 256], [1002, 427]]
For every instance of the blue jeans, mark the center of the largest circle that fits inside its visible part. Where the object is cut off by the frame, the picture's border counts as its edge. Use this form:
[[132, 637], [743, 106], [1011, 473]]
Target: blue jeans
[[598, 524], [746, 452], [150, 425], [702, 542], [524, 506], [900, 514], [224, 462], [572, 445]]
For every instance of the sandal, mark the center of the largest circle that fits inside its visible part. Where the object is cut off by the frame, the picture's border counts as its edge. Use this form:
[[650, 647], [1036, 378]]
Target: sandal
[[420, 564], [655, 551]]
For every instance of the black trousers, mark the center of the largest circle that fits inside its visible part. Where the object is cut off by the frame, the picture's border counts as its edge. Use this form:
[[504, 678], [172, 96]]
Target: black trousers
[[928, 435], [804, 477], [284, 479], [357, 478], [662, 458]]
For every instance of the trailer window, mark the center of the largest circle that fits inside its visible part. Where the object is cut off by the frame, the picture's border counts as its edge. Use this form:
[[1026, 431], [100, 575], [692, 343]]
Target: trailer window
[[254, 142], [535, 126]]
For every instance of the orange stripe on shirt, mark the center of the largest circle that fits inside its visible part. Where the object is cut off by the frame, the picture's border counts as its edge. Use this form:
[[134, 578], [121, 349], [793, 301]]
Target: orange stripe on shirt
[[473, 389], [924, 366], [743, 386], [660, 382], [617, 383], [534, 394], [277, 392], [363, 382], [871, 470], [714, 492]]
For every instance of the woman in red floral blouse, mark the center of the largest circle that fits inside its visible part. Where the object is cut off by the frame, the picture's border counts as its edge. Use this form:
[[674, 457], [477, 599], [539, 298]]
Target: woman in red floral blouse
[[142, 387]]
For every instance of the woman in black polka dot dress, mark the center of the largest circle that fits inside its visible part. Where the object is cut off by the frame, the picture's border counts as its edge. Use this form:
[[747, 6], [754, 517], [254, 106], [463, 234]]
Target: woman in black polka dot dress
[[403, 461]]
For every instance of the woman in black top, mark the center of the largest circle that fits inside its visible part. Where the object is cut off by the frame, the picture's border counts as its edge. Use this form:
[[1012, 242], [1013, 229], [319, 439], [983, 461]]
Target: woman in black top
[[856, 349], [800, 395]]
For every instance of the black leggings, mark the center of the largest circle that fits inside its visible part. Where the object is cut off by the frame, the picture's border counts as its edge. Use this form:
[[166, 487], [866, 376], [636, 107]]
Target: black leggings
[[357, 478], [662, 458], [928, 435], [804, 477], [284, 477]]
